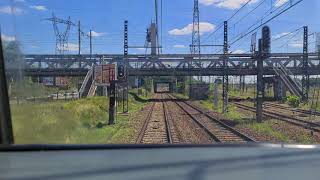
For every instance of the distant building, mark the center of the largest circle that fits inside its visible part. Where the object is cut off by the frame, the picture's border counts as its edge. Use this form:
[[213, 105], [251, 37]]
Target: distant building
[[62, 81]]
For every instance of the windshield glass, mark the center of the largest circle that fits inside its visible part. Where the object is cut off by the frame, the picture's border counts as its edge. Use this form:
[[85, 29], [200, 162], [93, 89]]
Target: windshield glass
[[162, 72]]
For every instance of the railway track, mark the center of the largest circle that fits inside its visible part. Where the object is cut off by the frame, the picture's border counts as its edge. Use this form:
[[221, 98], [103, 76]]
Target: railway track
[[302, 111], [292, 120], [158, 126], [215, 128]]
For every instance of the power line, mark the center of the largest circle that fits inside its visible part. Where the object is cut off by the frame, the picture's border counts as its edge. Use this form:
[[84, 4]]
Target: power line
[[293, 36], [243, 6], [222, 23], [249, 12], [262, 24], [266, 14], [287, 34]]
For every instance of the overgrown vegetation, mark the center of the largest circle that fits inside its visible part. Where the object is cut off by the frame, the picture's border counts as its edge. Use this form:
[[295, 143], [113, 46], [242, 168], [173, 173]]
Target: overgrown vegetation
[[293, 101], [76, 122]]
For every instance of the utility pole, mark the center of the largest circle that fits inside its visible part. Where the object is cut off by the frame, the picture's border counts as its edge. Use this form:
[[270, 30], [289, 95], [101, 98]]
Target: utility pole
[[225, 79], [243, 83], [264, 53], [126, 64], [79, 38], [260, 86], [195, 45], [79, 42], [90, 36], [306, 76], [215, 94], [153, 38], [157, 26]]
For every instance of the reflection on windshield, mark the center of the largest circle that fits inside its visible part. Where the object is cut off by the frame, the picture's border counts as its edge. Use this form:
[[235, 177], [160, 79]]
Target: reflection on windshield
[[162, 72]]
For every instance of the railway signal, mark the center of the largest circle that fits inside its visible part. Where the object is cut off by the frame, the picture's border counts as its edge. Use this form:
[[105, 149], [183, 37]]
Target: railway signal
[[266, 41], [264, 52], [121, 71]]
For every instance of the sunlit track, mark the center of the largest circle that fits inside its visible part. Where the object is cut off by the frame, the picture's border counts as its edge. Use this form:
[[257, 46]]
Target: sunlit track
[[219, 131], [292, 120], [157, 128], [172, 134]]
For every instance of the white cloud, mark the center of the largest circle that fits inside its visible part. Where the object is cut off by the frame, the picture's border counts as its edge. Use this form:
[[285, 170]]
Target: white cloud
[[208, 2], [239, 51], [7, 38], [204, 28], [279, 3], [228, 4], [10, 10], [280, 35], [96, 34], [39, 8], [179, 46]]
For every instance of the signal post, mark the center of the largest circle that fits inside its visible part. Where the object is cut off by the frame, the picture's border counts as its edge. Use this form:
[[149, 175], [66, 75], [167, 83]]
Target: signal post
[[263, 53], [121, 78]]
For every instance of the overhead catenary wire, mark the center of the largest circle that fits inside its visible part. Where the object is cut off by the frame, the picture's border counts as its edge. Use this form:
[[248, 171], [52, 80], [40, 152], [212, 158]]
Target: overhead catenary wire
[[247, 14], [266, 14], [287, 34], [232, 16], [287, 42], [262, 24]]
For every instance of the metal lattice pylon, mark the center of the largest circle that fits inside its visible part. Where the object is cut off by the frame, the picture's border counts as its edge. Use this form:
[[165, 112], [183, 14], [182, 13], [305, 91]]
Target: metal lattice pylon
[[306, 76], [195, 47], [61, 37], [225, 79]]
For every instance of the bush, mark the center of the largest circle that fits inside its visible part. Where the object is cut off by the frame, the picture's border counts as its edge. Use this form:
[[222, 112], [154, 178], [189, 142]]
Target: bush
[[293, 101]]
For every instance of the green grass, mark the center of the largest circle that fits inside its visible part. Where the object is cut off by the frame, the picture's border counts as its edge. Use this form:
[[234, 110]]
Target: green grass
[[232, 113], [76, 122], [266, 129], [182, 96]]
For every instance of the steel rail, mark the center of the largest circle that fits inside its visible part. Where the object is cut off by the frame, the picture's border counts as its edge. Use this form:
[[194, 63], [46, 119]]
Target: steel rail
[[223, 125], [302, 111], [145, 125], [298, 122], [167, 118]]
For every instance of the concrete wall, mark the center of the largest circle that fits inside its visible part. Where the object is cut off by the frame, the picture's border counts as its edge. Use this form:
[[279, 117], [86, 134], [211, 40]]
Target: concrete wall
[[199, 91]]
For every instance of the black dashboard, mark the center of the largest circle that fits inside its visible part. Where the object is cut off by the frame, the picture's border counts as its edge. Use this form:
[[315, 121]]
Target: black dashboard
[[156, 162]]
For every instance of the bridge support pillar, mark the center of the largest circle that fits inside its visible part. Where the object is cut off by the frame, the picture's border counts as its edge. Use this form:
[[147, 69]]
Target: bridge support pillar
[[215, 95], [279, 89]]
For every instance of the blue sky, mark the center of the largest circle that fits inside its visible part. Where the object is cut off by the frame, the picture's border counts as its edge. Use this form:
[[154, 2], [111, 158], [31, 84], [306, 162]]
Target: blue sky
[[105, 17]]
